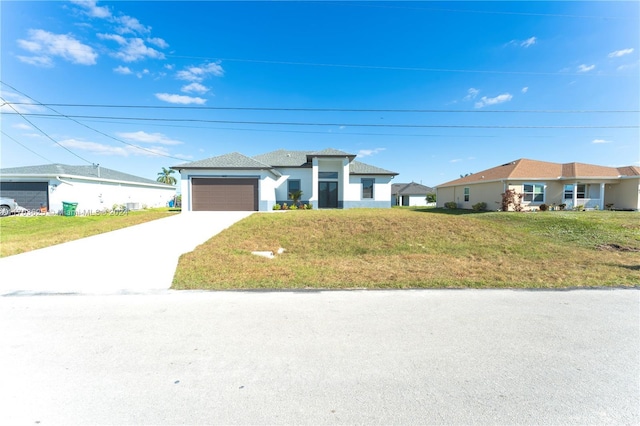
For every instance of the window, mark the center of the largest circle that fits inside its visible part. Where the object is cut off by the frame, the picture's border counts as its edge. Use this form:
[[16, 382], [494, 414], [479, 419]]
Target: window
[[466, 194], [328, 175], [367, 187], [580, 192], [293, 185], [568, 192], [533, 192]]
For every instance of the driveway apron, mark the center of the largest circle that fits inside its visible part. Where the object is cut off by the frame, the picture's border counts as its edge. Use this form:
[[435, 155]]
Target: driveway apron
[[137, 259]]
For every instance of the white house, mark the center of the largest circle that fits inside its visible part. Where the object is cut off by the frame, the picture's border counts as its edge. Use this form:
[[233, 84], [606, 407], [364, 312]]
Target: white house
[[92, 187], [411, 194], [327, 179]]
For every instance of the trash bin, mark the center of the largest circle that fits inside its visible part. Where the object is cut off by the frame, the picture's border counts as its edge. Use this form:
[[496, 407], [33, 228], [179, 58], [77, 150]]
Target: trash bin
[[69, 209], [170, 203]]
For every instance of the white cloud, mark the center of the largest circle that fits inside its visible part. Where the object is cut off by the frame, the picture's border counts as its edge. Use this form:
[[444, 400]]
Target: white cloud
[[92, 9], [180, 99], [585, 68], [628, 66], [471, 94], [484, 101], [158, 42], [45, 46], [199, 73], [195, 88], [94, 147], [144, 137], [528, 42], [122, 70], [618, 53], [525, 90], [131, 25], [21, 126], [369, 152], [131, 49], [26, 107], [600, 141], [455, 160]]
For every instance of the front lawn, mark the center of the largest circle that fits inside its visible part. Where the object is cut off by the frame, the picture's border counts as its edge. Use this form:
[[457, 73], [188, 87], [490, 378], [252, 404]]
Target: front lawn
[[19, 234], [419, 248]]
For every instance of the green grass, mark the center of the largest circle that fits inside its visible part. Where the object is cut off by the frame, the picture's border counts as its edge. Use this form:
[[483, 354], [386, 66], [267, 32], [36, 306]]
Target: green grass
[[19, 234], [419, 248]]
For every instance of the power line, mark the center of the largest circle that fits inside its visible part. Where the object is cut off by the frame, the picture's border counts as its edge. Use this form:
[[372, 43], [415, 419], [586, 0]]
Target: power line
[[45, 133], [25, 147], [286, 123], [395, 68], [294, 109], [58, 114]]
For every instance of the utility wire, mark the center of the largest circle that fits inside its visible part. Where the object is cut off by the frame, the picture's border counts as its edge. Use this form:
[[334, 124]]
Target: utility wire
[[72, 118], [182, 107], [25, 147], [45, 133], [286, 123], [395, 68]]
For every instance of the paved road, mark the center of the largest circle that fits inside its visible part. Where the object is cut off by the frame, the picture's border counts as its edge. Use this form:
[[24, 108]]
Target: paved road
[[359, 357], [138, 259]]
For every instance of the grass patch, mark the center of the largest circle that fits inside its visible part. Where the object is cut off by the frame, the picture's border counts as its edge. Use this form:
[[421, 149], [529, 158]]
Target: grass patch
[[419, 248], [19, 234]]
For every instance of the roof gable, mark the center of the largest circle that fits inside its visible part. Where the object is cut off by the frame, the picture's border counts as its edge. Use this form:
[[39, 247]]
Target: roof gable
[[412, 188]]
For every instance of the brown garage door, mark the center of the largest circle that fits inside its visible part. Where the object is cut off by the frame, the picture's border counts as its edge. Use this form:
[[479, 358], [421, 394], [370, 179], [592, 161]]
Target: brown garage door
[[224, 194]]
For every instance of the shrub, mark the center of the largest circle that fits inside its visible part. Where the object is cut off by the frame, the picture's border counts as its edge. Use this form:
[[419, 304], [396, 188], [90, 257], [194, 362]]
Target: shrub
[[544, 207], [562, 206], [293, 207], [451, 205], [479, 207], [277, 206], [285, 206], [511, 198]]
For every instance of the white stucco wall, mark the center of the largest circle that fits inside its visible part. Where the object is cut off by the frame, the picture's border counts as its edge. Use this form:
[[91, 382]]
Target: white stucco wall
[[97, 195]]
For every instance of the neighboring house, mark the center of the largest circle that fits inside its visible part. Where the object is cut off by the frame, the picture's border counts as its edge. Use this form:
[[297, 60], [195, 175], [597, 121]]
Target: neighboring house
[[327, 179], [540, 182], [92, 187], [410, 194]]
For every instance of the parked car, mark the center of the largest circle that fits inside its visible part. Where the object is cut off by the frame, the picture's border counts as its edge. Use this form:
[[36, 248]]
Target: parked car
[[7, 206]]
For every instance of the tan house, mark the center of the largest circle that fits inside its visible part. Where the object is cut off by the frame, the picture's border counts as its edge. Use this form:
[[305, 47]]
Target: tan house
[[541, 182]]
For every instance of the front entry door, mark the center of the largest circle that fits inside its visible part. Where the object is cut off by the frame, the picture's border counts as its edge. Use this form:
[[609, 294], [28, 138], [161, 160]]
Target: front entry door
[[327, 195]]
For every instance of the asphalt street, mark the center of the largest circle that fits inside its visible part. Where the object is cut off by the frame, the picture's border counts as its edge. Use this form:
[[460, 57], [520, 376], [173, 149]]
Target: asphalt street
[[335, 357]]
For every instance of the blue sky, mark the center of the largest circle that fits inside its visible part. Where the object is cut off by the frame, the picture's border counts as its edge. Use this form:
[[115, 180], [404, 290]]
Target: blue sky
[[430, 90]]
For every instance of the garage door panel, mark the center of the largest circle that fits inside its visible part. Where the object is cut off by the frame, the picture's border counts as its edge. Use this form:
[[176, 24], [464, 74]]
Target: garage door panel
[[30, 195], [224, 194]]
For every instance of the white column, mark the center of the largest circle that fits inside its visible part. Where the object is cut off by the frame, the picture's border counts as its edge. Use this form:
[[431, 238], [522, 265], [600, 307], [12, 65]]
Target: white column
[[314, 182], [602, 196], [575, 194]]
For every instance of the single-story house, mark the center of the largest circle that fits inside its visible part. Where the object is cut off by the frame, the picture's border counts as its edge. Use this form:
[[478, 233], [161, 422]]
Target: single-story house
[[92, 187], [410, 194], [327, 179], [541, 182]]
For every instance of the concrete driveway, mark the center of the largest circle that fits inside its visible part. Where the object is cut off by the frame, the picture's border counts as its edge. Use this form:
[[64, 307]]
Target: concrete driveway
[[138, 259]]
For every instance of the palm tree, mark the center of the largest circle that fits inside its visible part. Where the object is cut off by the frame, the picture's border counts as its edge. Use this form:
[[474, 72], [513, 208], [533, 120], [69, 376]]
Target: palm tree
[[165, 177], [295, 196]]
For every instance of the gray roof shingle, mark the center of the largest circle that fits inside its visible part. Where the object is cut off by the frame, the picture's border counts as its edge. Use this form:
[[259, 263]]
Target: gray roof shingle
[[234, 160], [77, 171], [412, 188]]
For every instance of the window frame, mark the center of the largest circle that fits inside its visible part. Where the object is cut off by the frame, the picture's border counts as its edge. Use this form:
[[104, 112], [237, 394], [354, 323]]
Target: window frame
[[467, 194], [289, 191], [533, 192], [364, 194]]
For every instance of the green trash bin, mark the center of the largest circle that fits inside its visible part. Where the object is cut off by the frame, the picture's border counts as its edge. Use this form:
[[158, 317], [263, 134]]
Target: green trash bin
[[69, 209]]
